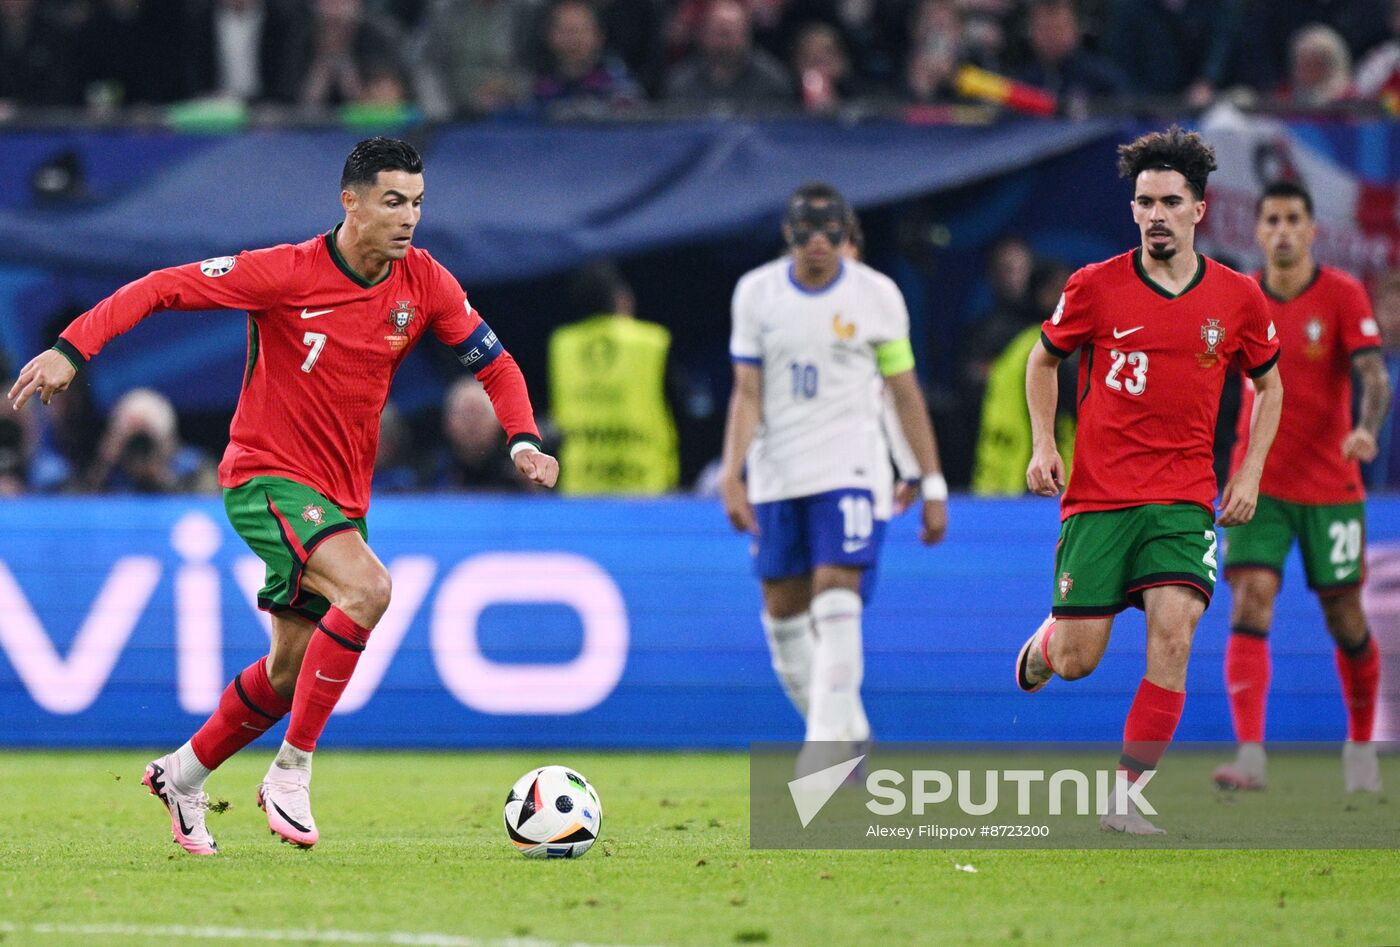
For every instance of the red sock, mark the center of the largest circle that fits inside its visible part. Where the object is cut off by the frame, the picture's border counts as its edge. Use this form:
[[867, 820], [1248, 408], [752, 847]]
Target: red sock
[[1045, 647], [248, 708], [1247, 669], [325, 671], [1152, 720], [1360, 671]]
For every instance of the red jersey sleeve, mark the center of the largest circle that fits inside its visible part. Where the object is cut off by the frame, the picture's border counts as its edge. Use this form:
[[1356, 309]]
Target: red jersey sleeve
[[248, 281], [1355, 322], [461, 328], [1258, 350], [1072, 322]]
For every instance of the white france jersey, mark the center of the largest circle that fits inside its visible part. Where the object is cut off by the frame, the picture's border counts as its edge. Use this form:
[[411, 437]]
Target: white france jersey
[[820, 424]]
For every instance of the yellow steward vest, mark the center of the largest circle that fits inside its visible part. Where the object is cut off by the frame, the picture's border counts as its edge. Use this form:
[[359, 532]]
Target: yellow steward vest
[[607, 381]]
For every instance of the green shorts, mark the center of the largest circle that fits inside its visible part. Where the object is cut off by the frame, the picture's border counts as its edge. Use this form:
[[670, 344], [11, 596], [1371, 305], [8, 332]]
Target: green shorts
[[1106, 559], [1331, 539], [282, 521]]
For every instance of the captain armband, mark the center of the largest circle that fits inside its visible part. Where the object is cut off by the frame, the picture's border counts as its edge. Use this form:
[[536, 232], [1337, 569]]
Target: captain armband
[[479, 350], [894, 357]]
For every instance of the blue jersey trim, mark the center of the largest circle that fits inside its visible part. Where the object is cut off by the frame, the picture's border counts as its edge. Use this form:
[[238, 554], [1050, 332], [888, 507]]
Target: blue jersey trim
[[792, 278], [746, 359]]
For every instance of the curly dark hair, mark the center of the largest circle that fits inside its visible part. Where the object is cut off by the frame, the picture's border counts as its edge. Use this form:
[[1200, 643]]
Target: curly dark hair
[[1172, 150], [373, 155]]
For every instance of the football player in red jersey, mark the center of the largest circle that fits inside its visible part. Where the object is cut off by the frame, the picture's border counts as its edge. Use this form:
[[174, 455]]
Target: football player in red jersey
[[1159, 326], [1311, 490], [329, 322]]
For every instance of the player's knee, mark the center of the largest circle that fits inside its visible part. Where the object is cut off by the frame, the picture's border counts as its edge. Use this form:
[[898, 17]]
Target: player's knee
[[1172, 650], [283, 678], [367, 599], [1074, 661]]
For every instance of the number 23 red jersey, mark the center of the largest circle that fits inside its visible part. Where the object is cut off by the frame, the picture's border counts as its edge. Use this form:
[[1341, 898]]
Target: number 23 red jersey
[[1150, 377], [323, 347]]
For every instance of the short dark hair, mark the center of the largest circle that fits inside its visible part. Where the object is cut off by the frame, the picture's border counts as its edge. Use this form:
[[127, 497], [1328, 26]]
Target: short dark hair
[[593, 289], [1285, 189], [1172, 150], [816, 191], [373, 155]]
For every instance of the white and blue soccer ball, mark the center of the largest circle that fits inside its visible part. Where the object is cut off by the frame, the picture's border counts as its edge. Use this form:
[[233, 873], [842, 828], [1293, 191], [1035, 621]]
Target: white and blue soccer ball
[[553, 812]]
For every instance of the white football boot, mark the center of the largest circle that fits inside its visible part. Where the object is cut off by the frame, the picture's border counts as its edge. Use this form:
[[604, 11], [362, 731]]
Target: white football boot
[[1361, 767], [186, 809], [285, 795]]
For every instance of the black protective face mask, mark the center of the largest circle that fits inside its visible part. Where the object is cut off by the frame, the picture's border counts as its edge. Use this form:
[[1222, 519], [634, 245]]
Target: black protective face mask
[[805, 220]]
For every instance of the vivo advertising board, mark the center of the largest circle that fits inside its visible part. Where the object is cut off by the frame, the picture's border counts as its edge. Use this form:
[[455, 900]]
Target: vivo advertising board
[[552, 623]]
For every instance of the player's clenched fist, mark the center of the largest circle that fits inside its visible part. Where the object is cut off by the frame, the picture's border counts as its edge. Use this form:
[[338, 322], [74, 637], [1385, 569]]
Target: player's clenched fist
[[1046, 473], [1360, 445], [935, 525], [46, 374], [537, 467], [736, 504]]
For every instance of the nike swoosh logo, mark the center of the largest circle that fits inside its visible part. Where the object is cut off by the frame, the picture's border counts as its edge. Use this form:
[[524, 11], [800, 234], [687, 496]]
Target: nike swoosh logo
[[330, 680], [290, 821], [187, 829], [308, 314], [1343, 573], [849, 546], [1125, 332]]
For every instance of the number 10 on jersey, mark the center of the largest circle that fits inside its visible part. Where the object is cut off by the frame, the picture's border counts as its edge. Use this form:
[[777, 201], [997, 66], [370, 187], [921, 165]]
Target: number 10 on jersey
[[804, 381]]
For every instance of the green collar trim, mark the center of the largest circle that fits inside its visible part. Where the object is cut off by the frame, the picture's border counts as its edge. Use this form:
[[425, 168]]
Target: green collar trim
[[345, 268], [1157, 288]]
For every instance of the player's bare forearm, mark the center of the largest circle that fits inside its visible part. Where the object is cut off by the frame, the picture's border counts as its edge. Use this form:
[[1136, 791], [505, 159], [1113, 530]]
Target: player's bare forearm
[[1045, 474], [914, 420], [1375, 391], [1241, 496], [1268, 408], [745, 412]]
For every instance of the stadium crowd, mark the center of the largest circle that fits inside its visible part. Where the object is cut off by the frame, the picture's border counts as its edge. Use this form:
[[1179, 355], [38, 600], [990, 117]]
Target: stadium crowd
[[476, 58]]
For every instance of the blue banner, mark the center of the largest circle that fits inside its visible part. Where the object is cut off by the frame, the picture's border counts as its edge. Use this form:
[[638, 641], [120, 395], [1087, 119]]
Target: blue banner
[[549, 623]]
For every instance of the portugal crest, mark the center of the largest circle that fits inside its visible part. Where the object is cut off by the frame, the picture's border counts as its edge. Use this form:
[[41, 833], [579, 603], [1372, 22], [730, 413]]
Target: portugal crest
[[1213, 333], [314, 514], [399, 317], [1066, 585], [1314, 330]]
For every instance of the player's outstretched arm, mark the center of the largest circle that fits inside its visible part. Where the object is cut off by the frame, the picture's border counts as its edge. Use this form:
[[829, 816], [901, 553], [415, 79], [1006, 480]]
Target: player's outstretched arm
[[745, 411], [914, 421], [1361, 443], [1241, 494], [1045, 475], [46, 375]]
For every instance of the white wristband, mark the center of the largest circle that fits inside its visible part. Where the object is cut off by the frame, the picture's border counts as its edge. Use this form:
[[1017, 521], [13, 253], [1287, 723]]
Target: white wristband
[[520, 447], [934, 487]]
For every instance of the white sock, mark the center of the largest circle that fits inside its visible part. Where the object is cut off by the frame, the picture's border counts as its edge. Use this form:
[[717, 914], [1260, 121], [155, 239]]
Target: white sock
[[289, 757], [790, 642], [836, 712], [190, 773]]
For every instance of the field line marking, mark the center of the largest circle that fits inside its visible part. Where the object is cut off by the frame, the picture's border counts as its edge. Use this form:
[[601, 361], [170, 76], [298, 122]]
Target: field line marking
[[179, 931]]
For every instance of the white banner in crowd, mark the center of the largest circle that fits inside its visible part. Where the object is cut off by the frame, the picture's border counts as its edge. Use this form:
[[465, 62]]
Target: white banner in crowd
[[1358, 221]]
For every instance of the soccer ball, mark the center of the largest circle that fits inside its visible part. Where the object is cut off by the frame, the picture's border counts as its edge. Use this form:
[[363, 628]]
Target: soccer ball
[[553, 812]]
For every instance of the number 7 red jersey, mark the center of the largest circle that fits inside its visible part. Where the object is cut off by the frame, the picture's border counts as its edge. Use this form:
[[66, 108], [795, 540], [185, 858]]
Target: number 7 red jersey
[[1150, 377], [323, 347]]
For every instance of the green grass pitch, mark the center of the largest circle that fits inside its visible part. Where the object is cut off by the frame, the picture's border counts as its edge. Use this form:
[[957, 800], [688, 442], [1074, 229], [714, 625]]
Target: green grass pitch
[[412, 852]]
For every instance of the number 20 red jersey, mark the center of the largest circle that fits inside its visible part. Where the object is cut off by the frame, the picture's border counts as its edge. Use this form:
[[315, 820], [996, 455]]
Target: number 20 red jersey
[[323, 347], [1320, 329], [1150, 375]]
